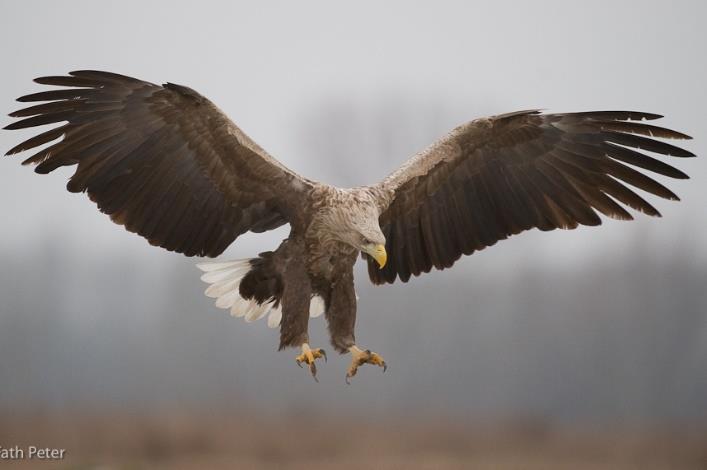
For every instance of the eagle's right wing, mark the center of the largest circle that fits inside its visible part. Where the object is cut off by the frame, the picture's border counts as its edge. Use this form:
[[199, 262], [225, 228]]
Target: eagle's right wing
[[163, 161]]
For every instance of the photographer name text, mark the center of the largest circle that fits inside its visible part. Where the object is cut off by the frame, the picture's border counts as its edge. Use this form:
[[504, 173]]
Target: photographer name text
[[31, 453]]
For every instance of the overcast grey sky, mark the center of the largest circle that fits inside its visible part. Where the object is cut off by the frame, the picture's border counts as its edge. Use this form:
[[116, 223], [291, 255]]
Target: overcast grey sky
[[344, 92], [321, 84]]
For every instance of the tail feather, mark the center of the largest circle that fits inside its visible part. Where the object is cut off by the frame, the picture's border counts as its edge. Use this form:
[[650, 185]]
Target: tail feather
[[225, 280], [240, 307], [208, 266], [217, 290], [316, 306], [257, 312], [213, 277], [275, 317]]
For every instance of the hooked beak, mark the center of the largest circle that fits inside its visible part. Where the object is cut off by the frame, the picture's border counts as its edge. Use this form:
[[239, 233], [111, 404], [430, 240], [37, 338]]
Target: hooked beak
[[378, 253]]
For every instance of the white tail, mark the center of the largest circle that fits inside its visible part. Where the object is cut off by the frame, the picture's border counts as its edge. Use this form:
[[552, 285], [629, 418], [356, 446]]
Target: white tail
[[225, 279]]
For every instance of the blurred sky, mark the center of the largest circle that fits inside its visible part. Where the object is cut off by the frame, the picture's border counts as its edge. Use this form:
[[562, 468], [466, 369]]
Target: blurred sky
[[344, 93], [321, 84]]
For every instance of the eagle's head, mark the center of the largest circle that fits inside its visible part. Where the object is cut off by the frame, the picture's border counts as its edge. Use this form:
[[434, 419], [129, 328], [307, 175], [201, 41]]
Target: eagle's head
[[356, 224], [363, 233], [372, 242]]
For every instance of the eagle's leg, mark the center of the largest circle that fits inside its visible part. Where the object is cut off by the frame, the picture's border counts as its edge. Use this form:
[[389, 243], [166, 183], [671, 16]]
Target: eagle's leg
[[363, 356], [341, 317], [308, 357], [296, 297]]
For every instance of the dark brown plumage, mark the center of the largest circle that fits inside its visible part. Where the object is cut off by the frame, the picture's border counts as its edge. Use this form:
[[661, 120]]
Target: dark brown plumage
[[166, 163], [499, 176], [162, 161]]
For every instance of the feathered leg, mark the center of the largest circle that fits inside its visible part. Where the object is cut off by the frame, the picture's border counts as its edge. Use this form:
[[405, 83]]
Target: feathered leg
[[341, 313], [296, 297], [341, 316]]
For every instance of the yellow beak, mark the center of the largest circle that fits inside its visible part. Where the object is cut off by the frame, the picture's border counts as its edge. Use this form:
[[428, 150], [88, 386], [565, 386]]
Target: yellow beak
[[379, 254]]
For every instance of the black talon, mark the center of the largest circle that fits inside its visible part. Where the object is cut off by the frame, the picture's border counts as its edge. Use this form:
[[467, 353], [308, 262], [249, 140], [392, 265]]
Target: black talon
[[313, 370], [385, 367], [323, 353]]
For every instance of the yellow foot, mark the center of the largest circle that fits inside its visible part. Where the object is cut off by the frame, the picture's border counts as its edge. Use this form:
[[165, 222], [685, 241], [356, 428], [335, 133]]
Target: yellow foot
[[308, 356], [360, 357]]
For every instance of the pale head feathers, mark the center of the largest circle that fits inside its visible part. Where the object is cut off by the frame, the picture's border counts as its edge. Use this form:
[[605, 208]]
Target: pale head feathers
[[350, 216]]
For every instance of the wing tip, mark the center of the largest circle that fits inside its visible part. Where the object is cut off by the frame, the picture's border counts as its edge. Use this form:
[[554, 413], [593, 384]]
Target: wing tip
[[14, 150], [685, 153], [43, 80], [12, 126]]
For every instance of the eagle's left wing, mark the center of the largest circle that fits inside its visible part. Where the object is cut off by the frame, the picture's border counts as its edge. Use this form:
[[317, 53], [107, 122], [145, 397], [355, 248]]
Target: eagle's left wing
[[495, 177]]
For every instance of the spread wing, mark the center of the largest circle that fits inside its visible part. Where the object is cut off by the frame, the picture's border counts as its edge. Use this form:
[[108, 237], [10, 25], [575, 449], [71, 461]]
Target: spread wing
[[163, 161], [496, 177]]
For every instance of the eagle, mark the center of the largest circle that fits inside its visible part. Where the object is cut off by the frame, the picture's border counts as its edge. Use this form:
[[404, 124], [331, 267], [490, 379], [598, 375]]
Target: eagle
[[167, 164]]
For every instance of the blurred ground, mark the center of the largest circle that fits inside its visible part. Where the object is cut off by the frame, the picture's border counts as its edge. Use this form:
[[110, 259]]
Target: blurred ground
[[216, 440]]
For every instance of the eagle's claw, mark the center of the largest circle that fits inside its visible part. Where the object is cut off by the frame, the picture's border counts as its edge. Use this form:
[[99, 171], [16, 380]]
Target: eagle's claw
[[308, 357], [360, 357]]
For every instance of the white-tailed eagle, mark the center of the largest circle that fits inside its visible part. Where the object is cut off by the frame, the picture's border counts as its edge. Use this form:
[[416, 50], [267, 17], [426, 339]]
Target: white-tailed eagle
[[167, 164]]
